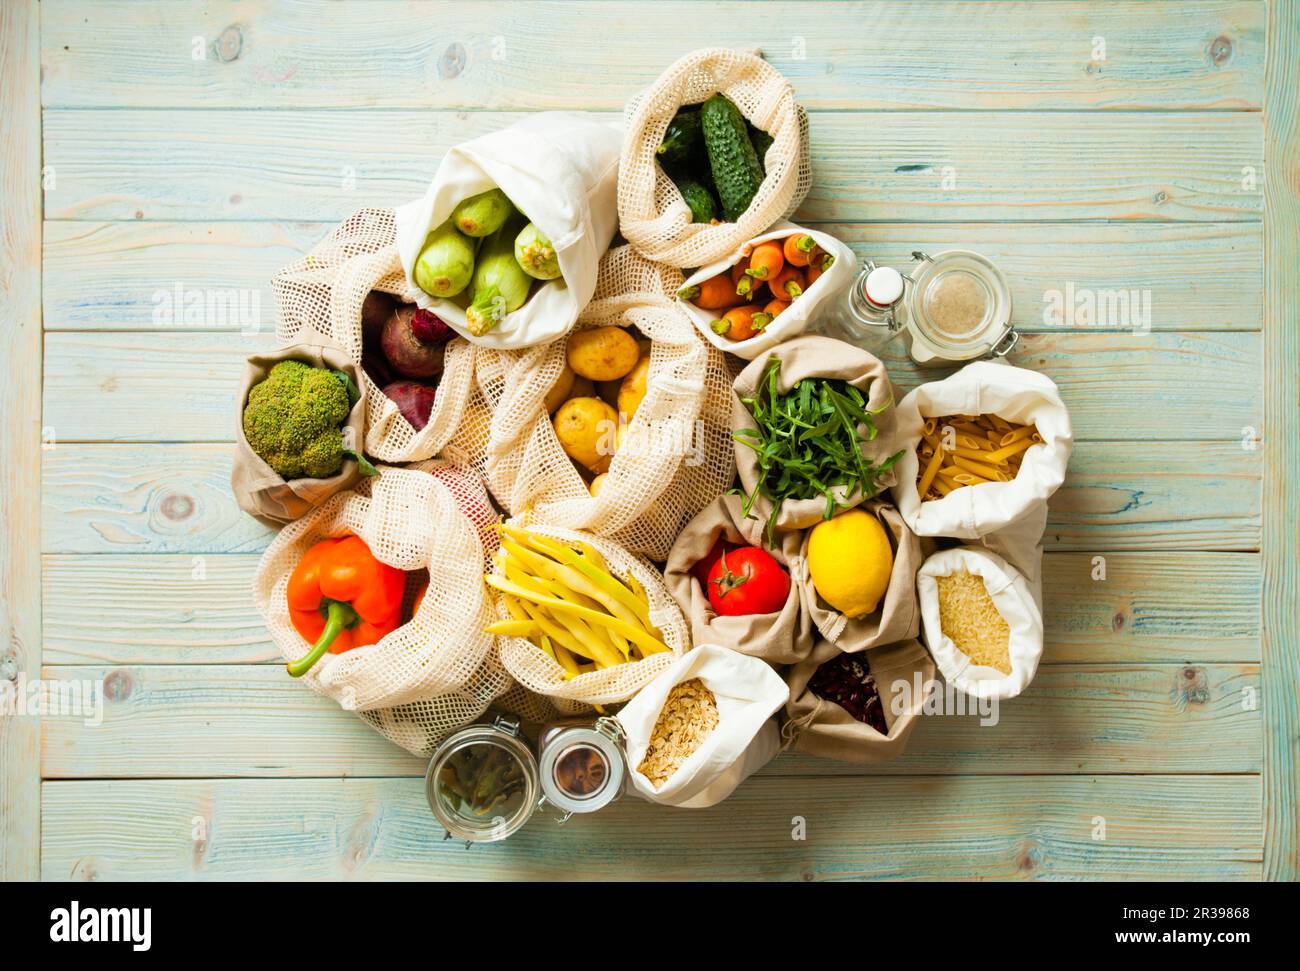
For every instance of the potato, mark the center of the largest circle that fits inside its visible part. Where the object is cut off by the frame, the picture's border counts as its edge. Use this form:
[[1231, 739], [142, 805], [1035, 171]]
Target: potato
[[586, 428], [561, 391], [597, 484], [603, 353], [632, 391], [582, 388]]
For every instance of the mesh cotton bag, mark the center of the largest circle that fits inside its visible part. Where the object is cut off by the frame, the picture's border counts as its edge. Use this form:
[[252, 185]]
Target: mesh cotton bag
[[559, 168], [1015, 602], [1019, 396], [676, 456], [652, 214], [324, 292], [803, 310], [538, 672], [436, 671]]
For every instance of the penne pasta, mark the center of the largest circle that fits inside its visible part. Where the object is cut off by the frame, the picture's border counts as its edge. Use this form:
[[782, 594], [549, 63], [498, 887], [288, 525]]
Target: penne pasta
[[988, 449]]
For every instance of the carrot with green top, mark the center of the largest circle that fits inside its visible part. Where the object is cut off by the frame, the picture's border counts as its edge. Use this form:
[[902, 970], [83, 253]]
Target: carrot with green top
[[715, 293], [741, 323], [798, 248], [766, 261], [788, 284], [744, 283]]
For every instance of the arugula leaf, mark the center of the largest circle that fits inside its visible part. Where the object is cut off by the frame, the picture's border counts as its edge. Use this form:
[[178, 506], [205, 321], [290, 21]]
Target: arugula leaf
[[809, 443]]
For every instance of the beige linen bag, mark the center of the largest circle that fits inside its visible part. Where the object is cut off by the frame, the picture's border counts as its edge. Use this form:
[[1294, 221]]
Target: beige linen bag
[[676, 456], [538, 672], [259, 489], [897, 618], [436, 670], [652, 214], [781, 638], [814, 356], [324, 291], [822, 728]]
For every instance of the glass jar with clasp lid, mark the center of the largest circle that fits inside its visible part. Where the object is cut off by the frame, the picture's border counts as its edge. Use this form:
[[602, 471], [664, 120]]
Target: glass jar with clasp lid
[[484, 783], [955, 305]]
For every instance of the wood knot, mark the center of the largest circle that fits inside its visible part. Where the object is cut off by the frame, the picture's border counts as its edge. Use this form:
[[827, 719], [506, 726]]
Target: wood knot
[[1193, 688], [1030, 856], [1160, 198], [229, 44], [1220, 51], [118, 685], [452, 61], [1117, 622], [176, 506]]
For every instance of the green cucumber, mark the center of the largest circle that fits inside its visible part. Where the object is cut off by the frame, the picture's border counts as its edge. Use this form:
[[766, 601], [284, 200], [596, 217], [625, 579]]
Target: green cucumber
[[682, 137], [737, 171], [704, 208]]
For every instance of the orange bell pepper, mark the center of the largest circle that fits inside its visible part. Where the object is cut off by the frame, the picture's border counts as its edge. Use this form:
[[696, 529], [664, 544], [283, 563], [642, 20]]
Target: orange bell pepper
[[341, 597]]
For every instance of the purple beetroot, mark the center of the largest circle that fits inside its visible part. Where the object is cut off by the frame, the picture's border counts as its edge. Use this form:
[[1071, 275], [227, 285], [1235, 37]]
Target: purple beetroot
[[429, 328], [409, 355], [413, 399]]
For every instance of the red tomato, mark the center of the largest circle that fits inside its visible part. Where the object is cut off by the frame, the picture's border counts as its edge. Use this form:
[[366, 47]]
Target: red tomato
[[747, 580], [704, 567]]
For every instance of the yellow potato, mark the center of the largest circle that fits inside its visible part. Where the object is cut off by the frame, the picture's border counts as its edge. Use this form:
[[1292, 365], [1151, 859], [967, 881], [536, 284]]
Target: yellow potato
[[632, 391], [582, 388], [561, 391], [603, 353], [586, 428], [598, 483]]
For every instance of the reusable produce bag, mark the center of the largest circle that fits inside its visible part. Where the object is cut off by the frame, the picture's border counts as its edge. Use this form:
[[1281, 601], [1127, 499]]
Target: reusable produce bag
[[814, 356], [676, 456], [560, 169], [1014, 600], [748, 692], [259, 489], [803, 310], [898, 616], [653, 217], [324, 292], [819, 727], [435, 672], [984, 387], [538, 672], [781, 638]]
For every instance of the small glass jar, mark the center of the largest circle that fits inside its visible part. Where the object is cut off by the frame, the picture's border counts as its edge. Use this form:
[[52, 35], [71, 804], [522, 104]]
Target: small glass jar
[[482, 783], [955, 305], [582, 765]]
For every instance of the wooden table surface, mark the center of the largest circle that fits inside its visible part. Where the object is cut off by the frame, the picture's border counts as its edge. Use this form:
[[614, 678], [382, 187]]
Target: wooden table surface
[[154, 148]]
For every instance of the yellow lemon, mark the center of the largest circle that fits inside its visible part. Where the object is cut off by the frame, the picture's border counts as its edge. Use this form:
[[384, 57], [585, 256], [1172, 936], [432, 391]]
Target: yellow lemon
[[849, 560]]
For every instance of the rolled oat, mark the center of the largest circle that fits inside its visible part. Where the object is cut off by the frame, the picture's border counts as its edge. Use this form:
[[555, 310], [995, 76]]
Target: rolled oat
[[689, 714]]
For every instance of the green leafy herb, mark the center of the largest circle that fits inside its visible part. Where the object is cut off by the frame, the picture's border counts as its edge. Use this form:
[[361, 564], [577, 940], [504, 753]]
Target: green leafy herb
[[809, 443]]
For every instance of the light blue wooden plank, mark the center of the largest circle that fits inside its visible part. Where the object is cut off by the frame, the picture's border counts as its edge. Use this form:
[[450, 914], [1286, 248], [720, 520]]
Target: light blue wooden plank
[[996, 55], [1281, 391], [990, 827], [873, 167]]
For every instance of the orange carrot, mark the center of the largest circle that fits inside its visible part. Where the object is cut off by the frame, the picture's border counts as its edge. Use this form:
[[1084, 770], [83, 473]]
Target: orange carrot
[[714, 293], [774, 307], [766, 260], [788, 284], [798, 248], [812, 272], [741, 323], [744, 284]]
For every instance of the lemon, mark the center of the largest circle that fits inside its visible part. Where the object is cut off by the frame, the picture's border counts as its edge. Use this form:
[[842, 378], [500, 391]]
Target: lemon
[[849, 560]]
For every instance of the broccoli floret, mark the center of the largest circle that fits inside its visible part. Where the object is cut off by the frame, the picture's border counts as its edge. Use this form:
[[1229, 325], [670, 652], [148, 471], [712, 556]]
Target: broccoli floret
[[294, 419]]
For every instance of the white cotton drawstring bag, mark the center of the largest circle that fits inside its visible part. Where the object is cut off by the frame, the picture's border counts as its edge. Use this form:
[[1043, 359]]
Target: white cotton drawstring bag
[[1019, 396], [1014, 600], [803, 310], [560, 169], [748, 693]]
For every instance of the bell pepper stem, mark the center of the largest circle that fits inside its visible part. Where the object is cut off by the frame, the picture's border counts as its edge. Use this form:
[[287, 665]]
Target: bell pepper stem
[[337, 619]]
